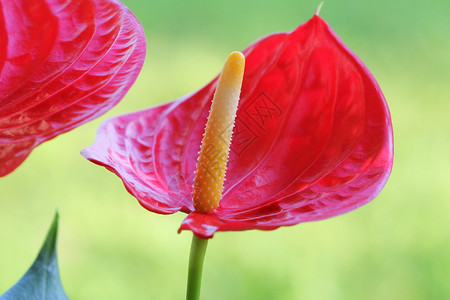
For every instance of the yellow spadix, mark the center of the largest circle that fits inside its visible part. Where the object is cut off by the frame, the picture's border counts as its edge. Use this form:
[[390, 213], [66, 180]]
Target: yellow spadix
[[213, 157]]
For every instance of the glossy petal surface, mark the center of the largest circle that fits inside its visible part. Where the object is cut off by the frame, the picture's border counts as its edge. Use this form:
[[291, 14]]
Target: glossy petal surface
[[62, 63], [313, 139]]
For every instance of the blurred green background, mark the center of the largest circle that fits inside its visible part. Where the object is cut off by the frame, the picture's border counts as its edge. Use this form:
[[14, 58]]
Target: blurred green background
[[396, 247]]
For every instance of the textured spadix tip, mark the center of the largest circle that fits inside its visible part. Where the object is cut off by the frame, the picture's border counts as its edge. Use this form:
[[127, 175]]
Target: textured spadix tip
[[236, 63], [210, 174]]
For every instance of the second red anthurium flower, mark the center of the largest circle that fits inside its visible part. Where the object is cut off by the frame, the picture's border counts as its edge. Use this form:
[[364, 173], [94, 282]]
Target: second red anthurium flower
[[62, 64], [312, 139]]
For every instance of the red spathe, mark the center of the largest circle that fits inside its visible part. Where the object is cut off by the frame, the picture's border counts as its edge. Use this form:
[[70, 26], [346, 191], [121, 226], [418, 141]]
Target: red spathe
[[62, 63], [313, 139]]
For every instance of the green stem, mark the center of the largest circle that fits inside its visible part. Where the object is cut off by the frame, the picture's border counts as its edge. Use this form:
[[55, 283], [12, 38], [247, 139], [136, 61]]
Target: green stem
[[198, 249]]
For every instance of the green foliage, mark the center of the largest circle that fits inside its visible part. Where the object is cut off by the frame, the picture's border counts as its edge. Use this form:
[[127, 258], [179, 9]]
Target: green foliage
[[41, 281]]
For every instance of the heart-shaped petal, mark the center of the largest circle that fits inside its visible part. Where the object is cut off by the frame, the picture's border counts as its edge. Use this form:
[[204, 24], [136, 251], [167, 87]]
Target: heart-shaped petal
[[62, 63], [313, 139]]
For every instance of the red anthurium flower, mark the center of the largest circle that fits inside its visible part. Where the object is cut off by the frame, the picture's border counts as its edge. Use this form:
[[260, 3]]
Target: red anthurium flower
[[62, 63], [312, 139]]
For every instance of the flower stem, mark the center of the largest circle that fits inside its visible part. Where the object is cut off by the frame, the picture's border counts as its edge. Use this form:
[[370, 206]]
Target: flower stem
[[198, 249]]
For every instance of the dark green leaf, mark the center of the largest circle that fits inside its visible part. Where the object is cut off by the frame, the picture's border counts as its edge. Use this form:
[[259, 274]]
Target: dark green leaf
[[41, 281]]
